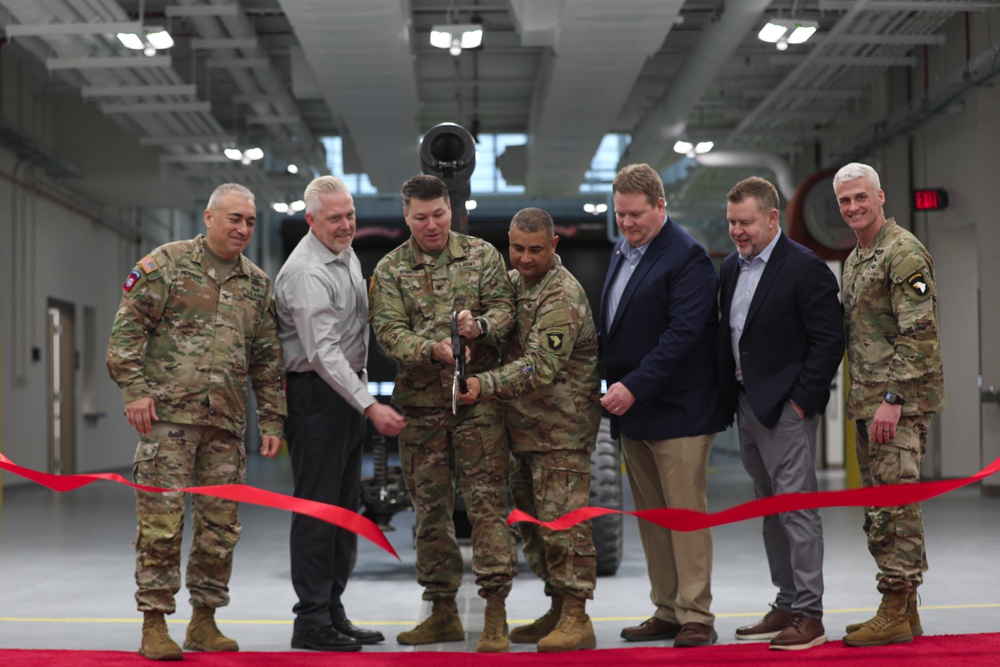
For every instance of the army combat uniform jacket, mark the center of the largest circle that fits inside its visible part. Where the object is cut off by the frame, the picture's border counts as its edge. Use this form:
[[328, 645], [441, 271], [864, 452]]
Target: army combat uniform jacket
[[550, 368], [890, 312], [411, 300], [189, 343]]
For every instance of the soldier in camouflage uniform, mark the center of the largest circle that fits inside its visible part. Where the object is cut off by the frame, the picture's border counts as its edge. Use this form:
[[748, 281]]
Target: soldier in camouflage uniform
[[197, 318], [897, 383], [414, 290], [551, 381]]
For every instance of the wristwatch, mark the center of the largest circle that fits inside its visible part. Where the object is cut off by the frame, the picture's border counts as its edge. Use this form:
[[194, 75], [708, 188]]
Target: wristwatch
[[893, 399], [481, 323]]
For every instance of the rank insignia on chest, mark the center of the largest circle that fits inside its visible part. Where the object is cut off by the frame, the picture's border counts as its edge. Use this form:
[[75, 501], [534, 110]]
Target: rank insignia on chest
[[554, 339], [917, 283]]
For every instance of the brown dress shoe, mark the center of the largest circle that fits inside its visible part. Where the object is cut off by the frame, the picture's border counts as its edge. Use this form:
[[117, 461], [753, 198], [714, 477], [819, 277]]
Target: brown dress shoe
[[650, 630], [768, 627], [696, 634], [802, 632]]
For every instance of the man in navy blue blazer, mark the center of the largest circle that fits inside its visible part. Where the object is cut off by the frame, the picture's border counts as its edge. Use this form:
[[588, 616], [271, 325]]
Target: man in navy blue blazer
[[780, 342], [657, 332]]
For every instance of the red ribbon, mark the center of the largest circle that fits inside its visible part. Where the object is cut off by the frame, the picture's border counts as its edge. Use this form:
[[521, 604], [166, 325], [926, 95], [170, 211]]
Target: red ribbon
[[687, 520], [243, 493]]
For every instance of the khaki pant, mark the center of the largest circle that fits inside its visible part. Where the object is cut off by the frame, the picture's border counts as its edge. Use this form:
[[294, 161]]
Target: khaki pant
[[674, 473]]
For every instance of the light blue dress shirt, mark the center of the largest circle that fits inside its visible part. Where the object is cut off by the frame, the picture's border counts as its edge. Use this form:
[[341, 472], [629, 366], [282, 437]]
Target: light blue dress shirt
[[632, 256], [746, 286]]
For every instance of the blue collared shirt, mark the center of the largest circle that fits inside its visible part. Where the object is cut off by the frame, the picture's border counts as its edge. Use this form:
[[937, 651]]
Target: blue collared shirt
[[746, 286], [632, 256]]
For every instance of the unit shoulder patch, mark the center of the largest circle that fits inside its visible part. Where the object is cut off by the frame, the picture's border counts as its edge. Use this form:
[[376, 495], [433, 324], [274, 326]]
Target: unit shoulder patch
[[918, 283], [132, 279], [554, 338]]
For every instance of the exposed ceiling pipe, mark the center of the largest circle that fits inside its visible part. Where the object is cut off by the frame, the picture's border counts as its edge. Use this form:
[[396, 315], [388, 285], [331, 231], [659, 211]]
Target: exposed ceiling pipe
[[778, 165], [652, 139]]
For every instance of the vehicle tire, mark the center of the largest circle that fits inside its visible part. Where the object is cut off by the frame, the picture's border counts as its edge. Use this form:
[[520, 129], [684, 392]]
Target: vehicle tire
[[606, 491]]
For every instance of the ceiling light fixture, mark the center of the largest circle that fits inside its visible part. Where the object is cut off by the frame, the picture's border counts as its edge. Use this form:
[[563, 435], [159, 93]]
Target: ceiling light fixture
[[243, 157], [457, 36], [692, 149], [782, 32], [595, 209], [149, 42]]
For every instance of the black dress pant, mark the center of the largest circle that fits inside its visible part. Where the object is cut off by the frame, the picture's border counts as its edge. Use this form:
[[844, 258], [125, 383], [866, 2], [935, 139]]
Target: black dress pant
[[325, 439]]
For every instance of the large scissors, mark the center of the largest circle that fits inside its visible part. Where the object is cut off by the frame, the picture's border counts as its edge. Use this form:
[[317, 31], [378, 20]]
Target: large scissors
[[458, 385]]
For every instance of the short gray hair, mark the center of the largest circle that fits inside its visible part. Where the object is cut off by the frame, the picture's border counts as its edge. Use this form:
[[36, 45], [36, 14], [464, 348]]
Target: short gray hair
[[854, 171], [320, 186], [230, 189]]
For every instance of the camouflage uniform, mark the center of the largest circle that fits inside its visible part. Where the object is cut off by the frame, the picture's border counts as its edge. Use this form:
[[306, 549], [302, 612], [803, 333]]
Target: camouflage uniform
[[890, 313], [411, 299], [189, 343], [552, 417]]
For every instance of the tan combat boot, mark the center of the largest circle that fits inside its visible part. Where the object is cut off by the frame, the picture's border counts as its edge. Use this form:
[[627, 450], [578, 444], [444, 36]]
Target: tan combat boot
[[531, 633], [156, 641], [496, 638], [912, 616], [443, 625], [889, 626], [574, 631], [203, 634]]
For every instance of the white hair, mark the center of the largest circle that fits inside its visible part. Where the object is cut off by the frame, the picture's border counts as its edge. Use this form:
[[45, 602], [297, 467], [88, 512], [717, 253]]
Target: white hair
[[854, 171], [319, 186]]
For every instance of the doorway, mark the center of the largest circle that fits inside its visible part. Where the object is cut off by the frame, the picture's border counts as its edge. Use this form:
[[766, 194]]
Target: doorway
[[62, 387]]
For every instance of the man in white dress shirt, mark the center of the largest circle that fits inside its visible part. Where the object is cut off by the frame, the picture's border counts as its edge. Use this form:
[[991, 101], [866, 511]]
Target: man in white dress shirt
[[323, 328]]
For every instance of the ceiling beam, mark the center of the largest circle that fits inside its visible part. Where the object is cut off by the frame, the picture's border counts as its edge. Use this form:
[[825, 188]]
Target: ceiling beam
[[158, 107], [174, 11], [59, 29], [910, 6], [888, 40], [108, 62], [188, 140], [187, 90]]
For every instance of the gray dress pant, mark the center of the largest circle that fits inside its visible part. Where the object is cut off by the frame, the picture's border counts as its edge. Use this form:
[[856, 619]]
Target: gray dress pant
[[783, 460]]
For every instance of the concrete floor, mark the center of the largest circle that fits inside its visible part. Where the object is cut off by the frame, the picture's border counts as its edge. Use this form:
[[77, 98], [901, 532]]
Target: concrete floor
[[66, 565]]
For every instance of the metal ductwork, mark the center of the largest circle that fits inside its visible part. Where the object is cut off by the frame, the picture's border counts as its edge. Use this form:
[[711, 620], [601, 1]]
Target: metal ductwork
[[597, 53], [362, 59]]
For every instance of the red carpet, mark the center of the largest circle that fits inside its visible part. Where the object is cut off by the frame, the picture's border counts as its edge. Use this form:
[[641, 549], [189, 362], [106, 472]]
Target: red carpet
[[967, 650]]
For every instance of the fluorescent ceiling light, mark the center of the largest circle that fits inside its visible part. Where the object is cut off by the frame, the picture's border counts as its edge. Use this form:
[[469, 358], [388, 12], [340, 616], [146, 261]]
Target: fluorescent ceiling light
[[160, 39], [801, 34], [130, 40], [457, 36], [787, 31]]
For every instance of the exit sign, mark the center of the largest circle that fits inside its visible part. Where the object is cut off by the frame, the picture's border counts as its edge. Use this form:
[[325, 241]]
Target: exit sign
[[930, 199]]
